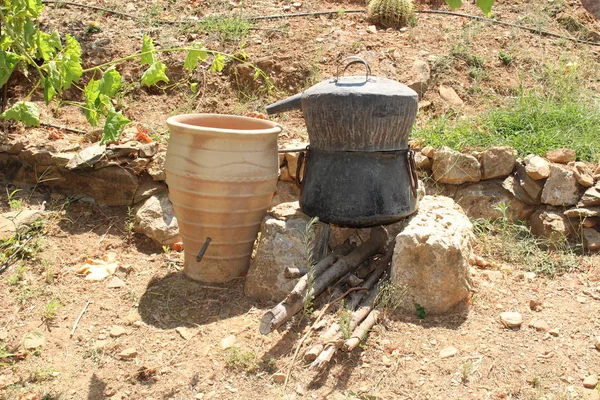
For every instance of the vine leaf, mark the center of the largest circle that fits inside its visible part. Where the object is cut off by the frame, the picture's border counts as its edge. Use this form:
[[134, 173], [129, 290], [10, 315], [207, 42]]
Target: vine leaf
[[218, 63], [194, 57], [23, 111], [486, 6], [8, 61], [147, 50], [115, 122], [454, 4], [71, 61], [91, 93], [155, 73]]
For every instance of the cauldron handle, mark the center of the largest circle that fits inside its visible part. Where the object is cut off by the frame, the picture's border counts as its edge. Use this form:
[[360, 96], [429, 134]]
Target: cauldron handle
[[355, 60], [302, 159], [412, 166]]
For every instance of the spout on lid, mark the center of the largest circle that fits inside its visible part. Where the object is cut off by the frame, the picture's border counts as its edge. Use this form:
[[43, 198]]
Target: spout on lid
[[291, 103]]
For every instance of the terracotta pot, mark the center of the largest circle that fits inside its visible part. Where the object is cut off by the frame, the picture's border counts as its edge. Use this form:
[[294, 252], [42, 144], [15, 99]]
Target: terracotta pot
[[222, 173]]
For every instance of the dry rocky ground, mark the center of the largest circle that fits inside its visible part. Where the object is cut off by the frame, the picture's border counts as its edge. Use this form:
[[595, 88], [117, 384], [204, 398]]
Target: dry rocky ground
[[158, 335]]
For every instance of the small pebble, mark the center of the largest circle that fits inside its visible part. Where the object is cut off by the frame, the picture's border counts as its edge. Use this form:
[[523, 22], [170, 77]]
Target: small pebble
[[511, 319], [591, 382], [448, 352]]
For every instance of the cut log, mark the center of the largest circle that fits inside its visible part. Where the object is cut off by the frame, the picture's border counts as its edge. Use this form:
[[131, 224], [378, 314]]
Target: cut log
[[275, 317], [299, 290], [381, 267], [361, 331], [312, 353], [323, 359], [293, 273]]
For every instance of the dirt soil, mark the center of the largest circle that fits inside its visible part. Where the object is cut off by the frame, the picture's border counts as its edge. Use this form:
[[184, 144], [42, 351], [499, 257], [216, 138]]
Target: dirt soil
[[173, 327]]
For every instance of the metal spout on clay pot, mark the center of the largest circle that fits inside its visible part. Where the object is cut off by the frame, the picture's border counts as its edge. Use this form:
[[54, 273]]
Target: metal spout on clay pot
[[291, 103]]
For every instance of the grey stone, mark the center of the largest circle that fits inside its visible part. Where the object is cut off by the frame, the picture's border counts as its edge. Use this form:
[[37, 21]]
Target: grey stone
[[422, 75], [148, 149], [36, 156], [511, 183], [483, 200], [155, 218], [583, 173], [450, 96], [137, 165], [281, 245], [431, 257], [422, 162], [551, 225], [511, 319], [147, 188], [18, 222], [453, 167], [156, 167], [583, 212], [591, 239], [561, 188], [561, 156], [497, 162], [531, 186], [536, 167], [591, 197], [128, 149], [87, 157], [111, 186]]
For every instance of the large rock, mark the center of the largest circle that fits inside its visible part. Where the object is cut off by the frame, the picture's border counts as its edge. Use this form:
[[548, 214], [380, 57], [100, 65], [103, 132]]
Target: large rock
[[111, 186], [450, 96], [561, 156], [591, 239], [511, 183], [453, 167], [591, 197], [497, 162], [583, 173], [484, 200], [551, 225], [561, 188], [281, 245], [422, 76], [18, 222], [531, 186], [156, 167], [536, 167], [431, 257], [155, 218]]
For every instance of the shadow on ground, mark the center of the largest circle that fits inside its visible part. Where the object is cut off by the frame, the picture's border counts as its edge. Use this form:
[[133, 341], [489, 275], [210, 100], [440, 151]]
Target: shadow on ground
[[97, 386], [175, 300]]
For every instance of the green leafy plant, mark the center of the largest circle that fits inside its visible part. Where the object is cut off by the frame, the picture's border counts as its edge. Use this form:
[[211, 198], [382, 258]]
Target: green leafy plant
[[59, 66], [50, 311], [15, 204], [420, 311], [484, 5], [505, 58], [242, 360], [345, 318]]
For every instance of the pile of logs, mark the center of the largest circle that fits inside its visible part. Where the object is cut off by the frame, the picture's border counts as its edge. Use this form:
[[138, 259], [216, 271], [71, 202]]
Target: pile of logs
[[354, 274]]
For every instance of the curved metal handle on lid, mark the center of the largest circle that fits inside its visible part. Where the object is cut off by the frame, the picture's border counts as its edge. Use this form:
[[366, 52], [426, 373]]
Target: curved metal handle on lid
[[355, 60]]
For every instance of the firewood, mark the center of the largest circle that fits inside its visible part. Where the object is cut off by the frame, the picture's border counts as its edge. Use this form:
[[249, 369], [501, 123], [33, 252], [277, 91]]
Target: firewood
[[318, 269], [275, 317], [381, 266], [323, 359], [313, 353], [361, 331], [293, 273]]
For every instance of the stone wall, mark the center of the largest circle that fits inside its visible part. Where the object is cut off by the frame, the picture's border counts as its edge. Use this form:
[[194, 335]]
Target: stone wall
[[558, 196]]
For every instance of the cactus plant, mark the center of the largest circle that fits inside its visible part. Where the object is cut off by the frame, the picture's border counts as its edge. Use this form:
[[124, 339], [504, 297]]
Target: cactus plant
[[391, 13]]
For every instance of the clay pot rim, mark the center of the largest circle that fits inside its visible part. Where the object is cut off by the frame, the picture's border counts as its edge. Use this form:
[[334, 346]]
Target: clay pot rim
[[183, 121]]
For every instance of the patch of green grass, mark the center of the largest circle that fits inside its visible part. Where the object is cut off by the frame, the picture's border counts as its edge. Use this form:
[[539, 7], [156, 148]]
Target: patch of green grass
[[561, 114], [513, 243], [17, 276], [242, 360], [505, 58], [226, 28], [50, 311]]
